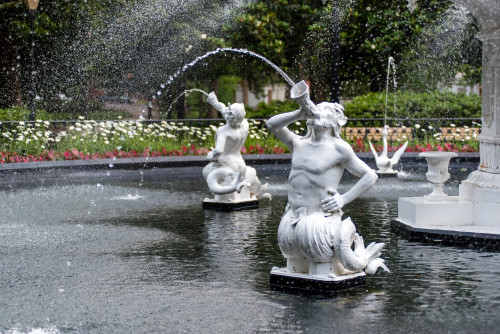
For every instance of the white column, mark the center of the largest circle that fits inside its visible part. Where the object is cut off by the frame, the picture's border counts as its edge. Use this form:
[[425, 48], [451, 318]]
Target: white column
[[482, 187]]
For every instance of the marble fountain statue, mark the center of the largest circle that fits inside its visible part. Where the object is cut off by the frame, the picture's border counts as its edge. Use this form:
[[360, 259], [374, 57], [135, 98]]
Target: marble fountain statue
[[234, 184], [383, 162], [312, 235]]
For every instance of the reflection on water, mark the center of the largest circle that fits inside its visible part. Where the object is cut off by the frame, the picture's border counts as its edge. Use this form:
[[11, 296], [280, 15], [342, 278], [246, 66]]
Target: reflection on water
[[91, 253]]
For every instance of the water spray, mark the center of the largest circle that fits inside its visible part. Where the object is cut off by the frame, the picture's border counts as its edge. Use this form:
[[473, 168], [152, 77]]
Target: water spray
[[181, 94], [172, 77], [389, 64]]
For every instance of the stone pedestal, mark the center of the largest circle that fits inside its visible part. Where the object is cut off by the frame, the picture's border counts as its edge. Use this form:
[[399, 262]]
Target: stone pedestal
[[482, 187], [384, 175], [325, 285], [212, 204], [419, 212], [473, 217]]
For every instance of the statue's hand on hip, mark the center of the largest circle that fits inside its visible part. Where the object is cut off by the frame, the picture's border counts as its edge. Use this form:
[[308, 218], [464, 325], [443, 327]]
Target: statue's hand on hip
[[333, 203]]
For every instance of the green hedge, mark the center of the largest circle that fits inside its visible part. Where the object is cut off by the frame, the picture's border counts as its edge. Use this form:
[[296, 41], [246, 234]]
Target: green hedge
[[415, 105]]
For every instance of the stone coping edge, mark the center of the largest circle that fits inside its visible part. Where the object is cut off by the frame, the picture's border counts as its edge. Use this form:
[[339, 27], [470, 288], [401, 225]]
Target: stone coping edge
[[189, 161], [474, 240]]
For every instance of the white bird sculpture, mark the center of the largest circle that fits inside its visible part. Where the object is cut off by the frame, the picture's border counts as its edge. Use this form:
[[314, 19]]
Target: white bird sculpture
[[384, 163]]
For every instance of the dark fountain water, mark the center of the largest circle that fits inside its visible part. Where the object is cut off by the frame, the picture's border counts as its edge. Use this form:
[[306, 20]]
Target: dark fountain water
[[137, 253]]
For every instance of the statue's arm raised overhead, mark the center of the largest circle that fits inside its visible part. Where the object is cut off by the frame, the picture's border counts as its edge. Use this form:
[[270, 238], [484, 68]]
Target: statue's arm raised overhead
[[214, 102], [278, 126]]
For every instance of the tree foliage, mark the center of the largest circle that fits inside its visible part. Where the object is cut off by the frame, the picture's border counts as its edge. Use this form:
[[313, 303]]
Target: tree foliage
[[297, 36], [279, 31]]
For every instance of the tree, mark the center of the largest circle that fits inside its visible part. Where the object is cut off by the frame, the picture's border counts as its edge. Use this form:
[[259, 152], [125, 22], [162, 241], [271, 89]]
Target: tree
[[125, 45], [279, 31], [375, 30], [297, 36], [56, 25]]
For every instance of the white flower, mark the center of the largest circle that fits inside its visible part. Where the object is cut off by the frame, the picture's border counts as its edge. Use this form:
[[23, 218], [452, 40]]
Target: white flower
[[417, 126]]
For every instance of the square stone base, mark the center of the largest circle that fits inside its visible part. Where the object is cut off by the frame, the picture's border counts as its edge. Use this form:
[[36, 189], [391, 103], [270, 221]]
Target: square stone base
[[212, 204], [420, 212], [281, 280], [390, 174]]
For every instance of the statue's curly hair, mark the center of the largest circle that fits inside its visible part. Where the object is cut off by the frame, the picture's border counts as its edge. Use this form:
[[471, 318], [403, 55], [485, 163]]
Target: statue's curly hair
[[339, 119]]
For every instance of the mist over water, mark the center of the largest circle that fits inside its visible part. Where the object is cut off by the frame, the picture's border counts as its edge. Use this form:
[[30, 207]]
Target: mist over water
[[138, 46], [435, 57]]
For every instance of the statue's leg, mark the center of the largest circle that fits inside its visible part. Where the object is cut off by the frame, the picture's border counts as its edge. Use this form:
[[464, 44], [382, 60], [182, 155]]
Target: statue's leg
[[320, 268], [296, 262], [315, 240]]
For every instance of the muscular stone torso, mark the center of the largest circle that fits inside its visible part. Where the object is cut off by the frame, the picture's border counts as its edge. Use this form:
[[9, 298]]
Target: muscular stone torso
[[234, 141], [316, 168]]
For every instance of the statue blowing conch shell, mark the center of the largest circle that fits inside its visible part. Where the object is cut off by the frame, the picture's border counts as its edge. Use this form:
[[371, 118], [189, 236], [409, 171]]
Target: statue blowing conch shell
[[312, 235], [227, 175]]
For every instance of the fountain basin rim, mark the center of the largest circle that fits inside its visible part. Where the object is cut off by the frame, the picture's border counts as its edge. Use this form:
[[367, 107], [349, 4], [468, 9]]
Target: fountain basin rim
[[448, 236], [186, 161]]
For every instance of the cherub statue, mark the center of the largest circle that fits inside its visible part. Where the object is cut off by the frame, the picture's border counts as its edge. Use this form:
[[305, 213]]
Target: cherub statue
[[311, 234], [227, 175]]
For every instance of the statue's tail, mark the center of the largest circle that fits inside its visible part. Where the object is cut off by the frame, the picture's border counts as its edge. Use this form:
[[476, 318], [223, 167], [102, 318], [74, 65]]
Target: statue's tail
[[263, 194], [223, 180], [360, 258], [397, 155], [256, 188], [374, 152]]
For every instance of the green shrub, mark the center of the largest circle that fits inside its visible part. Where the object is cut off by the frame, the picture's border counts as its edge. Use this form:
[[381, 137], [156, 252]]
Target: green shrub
[[415, 105]]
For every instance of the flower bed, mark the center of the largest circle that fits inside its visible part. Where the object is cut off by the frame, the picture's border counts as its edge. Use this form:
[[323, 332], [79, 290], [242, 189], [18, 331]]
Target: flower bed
[[45, 141]]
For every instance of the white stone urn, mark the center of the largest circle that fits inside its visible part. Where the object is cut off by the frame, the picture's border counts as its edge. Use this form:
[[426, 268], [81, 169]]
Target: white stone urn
[[437, 162]]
